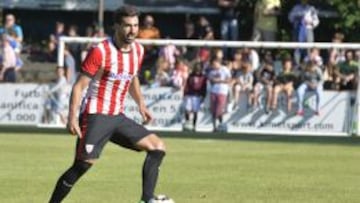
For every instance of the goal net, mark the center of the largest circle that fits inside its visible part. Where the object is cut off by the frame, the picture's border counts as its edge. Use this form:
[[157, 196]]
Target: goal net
[[269, 87]]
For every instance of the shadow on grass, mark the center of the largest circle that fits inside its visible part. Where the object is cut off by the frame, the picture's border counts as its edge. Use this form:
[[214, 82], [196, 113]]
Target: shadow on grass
[[294, 139]]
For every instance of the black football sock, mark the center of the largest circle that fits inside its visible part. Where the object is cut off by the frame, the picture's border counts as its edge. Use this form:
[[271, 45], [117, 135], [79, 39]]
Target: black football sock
[[187, 116], [150, 173], [195, 119], [68, 179]]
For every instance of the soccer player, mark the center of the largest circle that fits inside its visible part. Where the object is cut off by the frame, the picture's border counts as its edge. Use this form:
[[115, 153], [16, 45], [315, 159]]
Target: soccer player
[[110, 71]]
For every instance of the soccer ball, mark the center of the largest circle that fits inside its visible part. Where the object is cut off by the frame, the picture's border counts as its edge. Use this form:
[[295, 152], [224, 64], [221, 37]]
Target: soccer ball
[[162, 199]]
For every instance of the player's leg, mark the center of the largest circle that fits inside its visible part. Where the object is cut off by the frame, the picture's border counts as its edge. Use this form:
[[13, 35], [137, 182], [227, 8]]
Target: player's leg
[[96, 131], [155, 149], [68, 179], [131, 135]]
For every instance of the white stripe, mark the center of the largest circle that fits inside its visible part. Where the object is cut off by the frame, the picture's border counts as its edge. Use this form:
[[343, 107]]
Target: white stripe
[[94, 86], [136, 59], [126, 67], [110, 82], [118, 91], [102, 49]]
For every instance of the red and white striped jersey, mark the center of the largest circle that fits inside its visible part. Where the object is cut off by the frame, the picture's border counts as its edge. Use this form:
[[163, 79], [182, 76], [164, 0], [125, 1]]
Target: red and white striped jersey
[[112, 71]]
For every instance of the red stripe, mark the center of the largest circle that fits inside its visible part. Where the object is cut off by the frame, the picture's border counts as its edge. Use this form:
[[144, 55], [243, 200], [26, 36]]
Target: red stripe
[[103, 80], [83, 128], [127, 84], [140, 56], [116, 84]]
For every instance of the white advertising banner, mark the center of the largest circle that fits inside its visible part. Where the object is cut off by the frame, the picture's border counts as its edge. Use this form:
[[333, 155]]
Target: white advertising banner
[[27, 104], [165, 105], [21, 104], [334, 118]]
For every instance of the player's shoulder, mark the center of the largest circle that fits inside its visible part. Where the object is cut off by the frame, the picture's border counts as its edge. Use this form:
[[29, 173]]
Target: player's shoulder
[[138, 47]]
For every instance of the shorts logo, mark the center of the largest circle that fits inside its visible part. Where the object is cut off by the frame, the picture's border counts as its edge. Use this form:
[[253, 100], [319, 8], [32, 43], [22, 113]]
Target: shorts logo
[[89, 148]]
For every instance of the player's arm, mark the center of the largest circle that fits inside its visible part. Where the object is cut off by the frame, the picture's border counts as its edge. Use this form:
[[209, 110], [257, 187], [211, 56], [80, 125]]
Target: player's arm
[[81, 83], [89, 68], [135, 93]]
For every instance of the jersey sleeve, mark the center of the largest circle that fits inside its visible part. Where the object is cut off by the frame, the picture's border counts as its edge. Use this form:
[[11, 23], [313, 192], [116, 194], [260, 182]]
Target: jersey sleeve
[[92, 62]]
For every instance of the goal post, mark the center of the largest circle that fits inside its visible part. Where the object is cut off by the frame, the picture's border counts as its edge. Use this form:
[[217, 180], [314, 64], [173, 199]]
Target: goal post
[[354, 118]]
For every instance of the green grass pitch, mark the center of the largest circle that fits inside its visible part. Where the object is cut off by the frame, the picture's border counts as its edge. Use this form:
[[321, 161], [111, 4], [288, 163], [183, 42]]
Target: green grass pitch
[[198, 168]]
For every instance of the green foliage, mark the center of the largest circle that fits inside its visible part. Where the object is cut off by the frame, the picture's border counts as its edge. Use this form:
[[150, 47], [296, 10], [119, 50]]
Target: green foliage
[[349, 14]]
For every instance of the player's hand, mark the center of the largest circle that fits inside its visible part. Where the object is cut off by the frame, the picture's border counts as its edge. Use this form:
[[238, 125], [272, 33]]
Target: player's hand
[[74, 128], [145, 113]]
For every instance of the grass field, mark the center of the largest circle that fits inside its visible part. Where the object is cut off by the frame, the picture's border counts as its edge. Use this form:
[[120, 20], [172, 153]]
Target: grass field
[[198, 168]]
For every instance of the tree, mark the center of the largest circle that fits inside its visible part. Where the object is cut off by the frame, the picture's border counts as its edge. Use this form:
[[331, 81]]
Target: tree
[[349, 17]]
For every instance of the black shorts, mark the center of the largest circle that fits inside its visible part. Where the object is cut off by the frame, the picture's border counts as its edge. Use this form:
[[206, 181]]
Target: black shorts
[[98, 129]]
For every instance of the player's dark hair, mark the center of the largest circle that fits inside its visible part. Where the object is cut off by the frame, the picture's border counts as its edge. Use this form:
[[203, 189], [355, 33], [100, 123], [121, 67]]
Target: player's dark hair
[[125, 11]]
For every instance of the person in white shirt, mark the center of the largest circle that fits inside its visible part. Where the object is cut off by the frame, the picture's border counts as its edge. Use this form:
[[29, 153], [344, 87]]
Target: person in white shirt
[[220, 78], [304, 19]]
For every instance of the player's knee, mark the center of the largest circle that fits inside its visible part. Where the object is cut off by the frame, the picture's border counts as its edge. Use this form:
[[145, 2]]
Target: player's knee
[[160, 145], [81, 166], [157, 144]]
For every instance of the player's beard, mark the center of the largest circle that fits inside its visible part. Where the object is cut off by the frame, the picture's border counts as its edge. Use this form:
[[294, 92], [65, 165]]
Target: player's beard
[[129, 38]]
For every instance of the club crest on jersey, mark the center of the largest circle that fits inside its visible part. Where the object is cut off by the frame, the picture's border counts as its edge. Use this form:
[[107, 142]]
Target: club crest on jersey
[[121, 76], [89, 148]]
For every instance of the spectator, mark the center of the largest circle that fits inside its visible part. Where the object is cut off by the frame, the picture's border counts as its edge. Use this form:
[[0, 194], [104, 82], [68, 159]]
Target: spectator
[[17, 48], [311, 80], [348, 72], [229, 21], [236, 65], [265, 18], [314, 56], [249, 54], [89, 32], [304, 19], [189, 52], [220, 78], [58, 97], [10, 24], [74, 48], [265, 77], [194, 94], [337, 55], [284, 83], [162, 77], [69, 66], [54, 40], [204, 29], [100, 32], [180, 74], [244, 81], [8, 64], [149, 31], [331, 77], [169, 53]]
